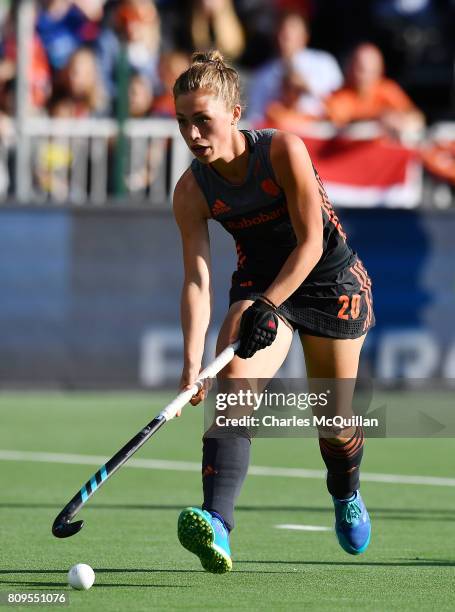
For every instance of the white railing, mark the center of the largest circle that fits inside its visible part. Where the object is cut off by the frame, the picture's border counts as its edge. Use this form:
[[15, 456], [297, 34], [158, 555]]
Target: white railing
[[68, 159], [73, 161]]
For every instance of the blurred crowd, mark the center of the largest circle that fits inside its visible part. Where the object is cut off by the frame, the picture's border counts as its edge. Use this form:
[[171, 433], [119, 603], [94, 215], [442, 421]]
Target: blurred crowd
[[301, 61]]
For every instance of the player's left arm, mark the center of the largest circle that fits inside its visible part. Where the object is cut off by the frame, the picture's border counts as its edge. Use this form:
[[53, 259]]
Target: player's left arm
[[295, 175]]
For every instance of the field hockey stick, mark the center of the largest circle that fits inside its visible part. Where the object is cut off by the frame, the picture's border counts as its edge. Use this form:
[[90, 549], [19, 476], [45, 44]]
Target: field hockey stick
[[63, 527]]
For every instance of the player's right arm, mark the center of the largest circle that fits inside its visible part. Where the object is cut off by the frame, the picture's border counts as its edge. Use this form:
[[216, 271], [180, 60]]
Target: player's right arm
[[191, 213]]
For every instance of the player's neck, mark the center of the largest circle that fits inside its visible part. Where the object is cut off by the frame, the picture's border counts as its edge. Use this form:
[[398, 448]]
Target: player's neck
[[234, 165]]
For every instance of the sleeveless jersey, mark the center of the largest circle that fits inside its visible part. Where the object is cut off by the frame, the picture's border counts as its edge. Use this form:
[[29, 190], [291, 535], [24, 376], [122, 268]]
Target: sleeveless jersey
[[255, 213]]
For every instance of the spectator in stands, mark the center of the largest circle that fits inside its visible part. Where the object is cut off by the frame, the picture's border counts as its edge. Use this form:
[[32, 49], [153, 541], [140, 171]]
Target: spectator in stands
[[284, 113], [439, 159], [258, 18], [61, 106], [54, 157], [136, 23], [206, 24], [39, 76], [140, 96], [65, 25], [171, 65], [214, 23], [7, 98], [7, 135], [315, 72], [369, 95], [80, 81], [146, 154], [5, 6]]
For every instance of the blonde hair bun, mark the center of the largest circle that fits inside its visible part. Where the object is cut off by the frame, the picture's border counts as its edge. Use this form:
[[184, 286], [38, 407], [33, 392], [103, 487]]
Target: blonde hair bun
[[209, 71], [206, 57]]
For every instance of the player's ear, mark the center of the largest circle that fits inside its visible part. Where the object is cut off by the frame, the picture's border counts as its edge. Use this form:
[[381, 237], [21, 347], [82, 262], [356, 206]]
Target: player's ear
[[236, 114]]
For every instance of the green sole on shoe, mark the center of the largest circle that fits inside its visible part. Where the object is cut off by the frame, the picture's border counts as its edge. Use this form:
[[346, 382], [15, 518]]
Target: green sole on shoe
[[196, 534]]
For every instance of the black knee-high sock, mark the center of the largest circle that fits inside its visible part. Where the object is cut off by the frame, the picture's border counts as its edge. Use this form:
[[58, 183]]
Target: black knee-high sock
[[224, 467], [343, 464]]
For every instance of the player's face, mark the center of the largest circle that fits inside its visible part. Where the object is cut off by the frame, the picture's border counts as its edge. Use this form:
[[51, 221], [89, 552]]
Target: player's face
[[205, 124]]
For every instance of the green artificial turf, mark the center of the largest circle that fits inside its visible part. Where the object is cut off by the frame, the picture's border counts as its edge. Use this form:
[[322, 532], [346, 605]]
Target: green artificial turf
[[130, 533]]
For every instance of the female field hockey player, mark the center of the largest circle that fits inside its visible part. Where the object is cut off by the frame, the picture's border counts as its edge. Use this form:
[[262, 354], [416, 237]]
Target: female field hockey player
[[295, 271]]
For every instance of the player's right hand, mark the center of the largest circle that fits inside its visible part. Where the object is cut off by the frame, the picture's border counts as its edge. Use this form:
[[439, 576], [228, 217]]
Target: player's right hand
[[186, 383]]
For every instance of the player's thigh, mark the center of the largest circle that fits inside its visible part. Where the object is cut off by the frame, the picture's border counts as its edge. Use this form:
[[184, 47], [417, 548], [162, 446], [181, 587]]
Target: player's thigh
[[266, 362], [331, 357], [332, 363]]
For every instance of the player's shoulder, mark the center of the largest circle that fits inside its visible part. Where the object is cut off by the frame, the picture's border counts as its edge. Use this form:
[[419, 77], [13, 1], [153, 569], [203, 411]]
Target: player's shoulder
[[186, 184], [188, 198], [289, 156], [286, 144]]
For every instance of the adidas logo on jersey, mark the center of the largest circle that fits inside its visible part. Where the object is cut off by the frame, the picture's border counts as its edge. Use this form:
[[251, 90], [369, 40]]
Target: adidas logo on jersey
[[219, 208]]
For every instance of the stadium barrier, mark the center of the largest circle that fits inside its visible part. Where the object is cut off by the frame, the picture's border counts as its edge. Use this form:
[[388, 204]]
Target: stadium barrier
[[75, 162], [90, 297]]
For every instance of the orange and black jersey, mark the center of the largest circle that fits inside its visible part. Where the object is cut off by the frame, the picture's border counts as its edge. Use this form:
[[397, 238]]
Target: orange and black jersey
[[255, 213], [335, 299]]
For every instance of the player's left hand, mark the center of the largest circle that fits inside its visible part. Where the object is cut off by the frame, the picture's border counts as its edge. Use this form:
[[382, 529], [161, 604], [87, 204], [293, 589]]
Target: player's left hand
[[258, 329]]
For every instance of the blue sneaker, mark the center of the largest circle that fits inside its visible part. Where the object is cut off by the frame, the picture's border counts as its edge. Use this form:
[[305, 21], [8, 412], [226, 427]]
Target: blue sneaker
[[352, 524], [207, 537]]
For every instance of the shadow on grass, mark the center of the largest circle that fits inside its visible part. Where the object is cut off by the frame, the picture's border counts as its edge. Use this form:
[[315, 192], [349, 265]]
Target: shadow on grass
[[101, 570], [396, 514], [401, 563], [121, 571], [60, 585]]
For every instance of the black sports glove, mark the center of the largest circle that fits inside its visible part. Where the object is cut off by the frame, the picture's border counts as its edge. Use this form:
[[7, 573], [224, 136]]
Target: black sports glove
[[258, 328]]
